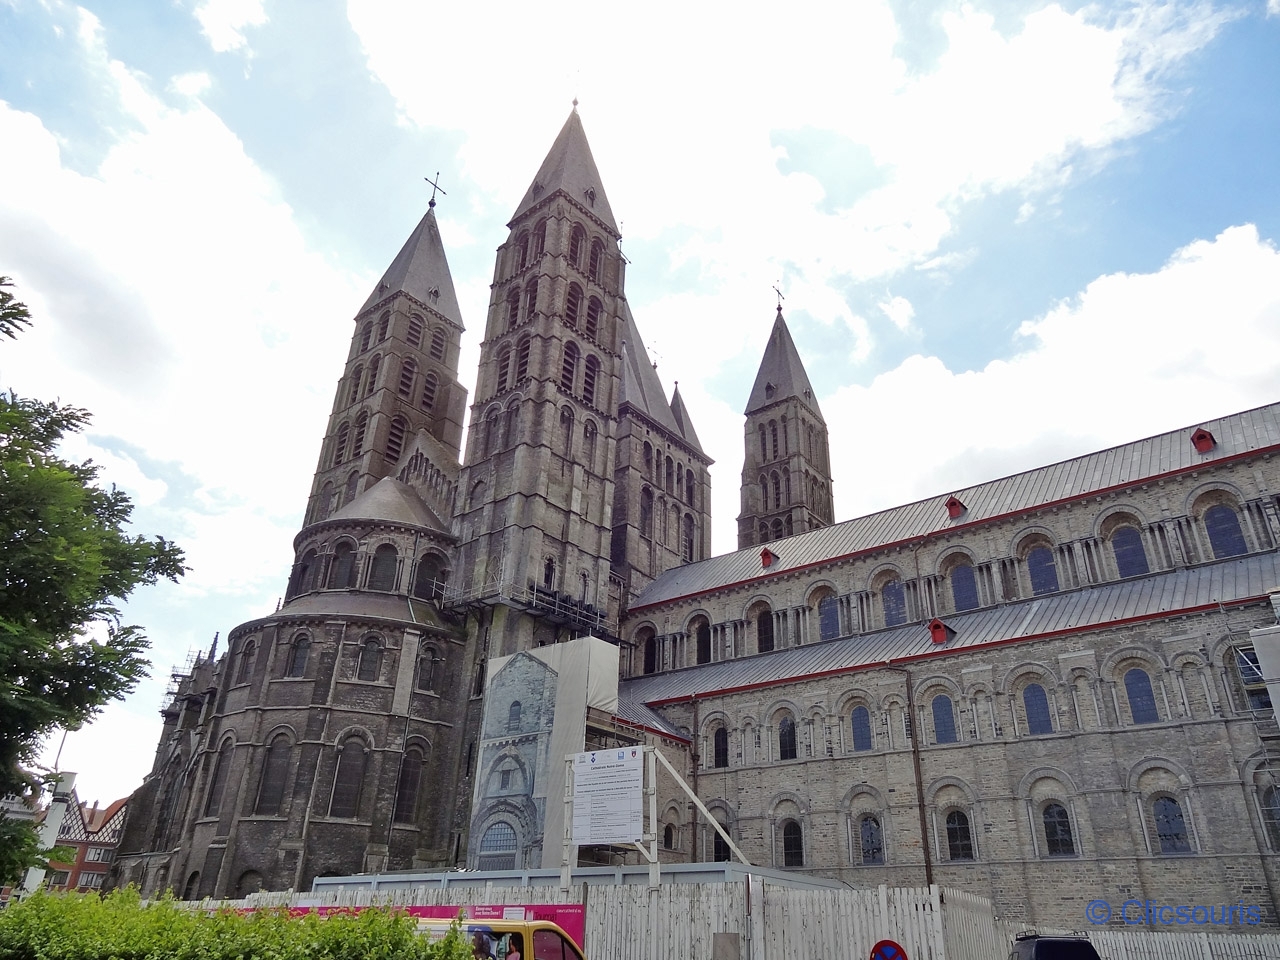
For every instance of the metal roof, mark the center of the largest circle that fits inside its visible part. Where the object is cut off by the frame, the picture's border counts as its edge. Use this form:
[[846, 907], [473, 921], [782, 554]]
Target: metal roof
[[781, 374], [1120, 466], [1221, 582]]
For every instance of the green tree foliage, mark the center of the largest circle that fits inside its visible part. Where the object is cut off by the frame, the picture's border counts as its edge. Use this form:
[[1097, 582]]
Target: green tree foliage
[[120, 927], [66, 561]]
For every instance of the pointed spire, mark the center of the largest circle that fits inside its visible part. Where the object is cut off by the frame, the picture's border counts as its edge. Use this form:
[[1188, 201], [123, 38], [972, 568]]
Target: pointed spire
[[421, 270], [641, 387], [569, 167], [781, 373], [683, 421]]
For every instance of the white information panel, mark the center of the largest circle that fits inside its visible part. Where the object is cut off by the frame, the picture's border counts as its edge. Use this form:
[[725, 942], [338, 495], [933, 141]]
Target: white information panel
[[608, 796]]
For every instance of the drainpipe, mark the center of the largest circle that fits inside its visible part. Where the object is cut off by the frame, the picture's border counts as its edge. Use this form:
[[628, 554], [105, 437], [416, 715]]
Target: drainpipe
[[915, 765]]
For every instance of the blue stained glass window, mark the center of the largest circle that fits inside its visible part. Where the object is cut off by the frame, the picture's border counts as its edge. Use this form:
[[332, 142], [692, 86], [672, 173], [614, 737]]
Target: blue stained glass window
[[829, 618], [1142, 699], [1131, 556], [1224, 531], [1037, 704], [1171, 827], [964, 588], [872, 839], [1057, 831], [786, 739], [959, 840], [895, 603], [861, 721], [1043, 573], [944, 720]]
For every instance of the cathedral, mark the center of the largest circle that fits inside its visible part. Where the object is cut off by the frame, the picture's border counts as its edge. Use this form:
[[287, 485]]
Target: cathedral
[[1042, 689]]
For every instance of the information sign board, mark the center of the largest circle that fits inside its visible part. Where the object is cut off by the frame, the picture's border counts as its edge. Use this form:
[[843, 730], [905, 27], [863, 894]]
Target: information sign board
[[608, 796]]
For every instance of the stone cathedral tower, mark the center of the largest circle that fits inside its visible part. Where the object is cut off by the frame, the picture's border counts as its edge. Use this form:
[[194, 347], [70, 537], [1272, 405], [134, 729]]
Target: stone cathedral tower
[[786, 472]]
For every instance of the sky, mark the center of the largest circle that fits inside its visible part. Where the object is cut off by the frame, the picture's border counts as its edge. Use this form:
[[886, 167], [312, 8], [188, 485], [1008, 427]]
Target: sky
[[1006, 233]]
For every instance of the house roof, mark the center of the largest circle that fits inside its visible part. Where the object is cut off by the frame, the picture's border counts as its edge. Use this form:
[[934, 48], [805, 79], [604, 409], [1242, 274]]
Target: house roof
[[1112, 604], [570, 168], [421, 270], [1117, 467]]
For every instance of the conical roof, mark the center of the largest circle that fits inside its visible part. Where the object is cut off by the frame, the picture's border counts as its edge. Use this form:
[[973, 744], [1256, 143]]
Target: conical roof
[[570, 167], [390, 501], [781, 373], [641, 387], [421, 270], [683, 421]]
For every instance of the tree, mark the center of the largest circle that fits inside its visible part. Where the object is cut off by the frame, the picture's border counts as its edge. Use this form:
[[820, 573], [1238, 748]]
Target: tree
[[66, 562]]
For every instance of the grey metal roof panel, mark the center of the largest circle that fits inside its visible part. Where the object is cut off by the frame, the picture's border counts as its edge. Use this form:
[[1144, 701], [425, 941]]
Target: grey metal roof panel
[[1131, 463], [421, 270], [1224, 581], [569, 167], [638, 714]]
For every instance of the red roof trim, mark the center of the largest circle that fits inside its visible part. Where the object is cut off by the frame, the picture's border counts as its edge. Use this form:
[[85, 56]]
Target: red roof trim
[[920, 538], [932, 654]]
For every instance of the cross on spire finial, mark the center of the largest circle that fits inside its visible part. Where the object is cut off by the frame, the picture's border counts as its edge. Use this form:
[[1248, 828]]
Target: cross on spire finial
[[780, 298], [435, 185]]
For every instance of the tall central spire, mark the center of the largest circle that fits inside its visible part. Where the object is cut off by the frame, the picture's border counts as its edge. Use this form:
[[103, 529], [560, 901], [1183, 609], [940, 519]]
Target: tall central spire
[[570, 169]]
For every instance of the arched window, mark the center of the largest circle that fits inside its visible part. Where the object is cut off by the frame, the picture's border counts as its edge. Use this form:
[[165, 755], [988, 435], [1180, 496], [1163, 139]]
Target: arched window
[[1171, 827], [1131, 556], [395, 438], [792, 844], [646, 512], [1225, 536], [764, 493], [1058, 841], [773, 439], [426, 676], [296, 665], [414, 333], [531, 298], [566, 431], [522, 358], [668, 837], [594, 309], [786, 738], [540, 238], [192, 889], [340, 446], [764, 448], [590, 371], [513, 717], [248, 652], [648, 460], [522, 251], [893, 597], [1142, 698], [429, 387], [720, 747], [964, 589], [369, 666], [871, 839], [1271, 815], [342, 571], [1036, 702], [218, 782], [959, 840], [384, 327], [1041, 570], [366, 335], [702, 638], [275, 774], [650, 646], [569, 368], [407, 787], [829, 617], [491, 431], [777, 490], [669, 474], [596, 263], [349, 491], [589, 443], [686, 543], [719, 849], [437, 345], [428, 581], [577, 241], [861, 723], [357, 379], [764, 631], [348, 776], [357, 438], [382, 572], [764, 532], [371, 382], [498, 847], [408, 370], [549, 573], [504, 367], [944, 720], [573, 305]]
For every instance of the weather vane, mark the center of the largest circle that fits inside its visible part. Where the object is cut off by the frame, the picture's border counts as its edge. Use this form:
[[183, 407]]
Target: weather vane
[[775, 290], [435, 185]]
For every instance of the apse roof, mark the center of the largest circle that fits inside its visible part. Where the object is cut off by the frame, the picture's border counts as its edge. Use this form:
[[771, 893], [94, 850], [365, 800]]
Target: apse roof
[[1185, 590], [781, 373], [1116, 467], [570, 167], [390, 501], [421, 270]]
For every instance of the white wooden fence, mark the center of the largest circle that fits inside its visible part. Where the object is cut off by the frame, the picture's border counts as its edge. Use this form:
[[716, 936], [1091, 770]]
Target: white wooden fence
[[678, 921]]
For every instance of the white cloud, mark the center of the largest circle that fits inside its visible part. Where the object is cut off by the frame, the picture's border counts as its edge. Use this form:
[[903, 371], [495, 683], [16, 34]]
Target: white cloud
[[899, 311], [191, 84], [223, 22]]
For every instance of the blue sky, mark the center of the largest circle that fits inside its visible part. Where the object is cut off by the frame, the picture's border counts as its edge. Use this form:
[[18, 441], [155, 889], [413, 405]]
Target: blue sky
[[1007, 233]]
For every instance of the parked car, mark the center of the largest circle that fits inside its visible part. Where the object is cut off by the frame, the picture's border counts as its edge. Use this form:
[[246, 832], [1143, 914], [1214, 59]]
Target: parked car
[[1033, 946]]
